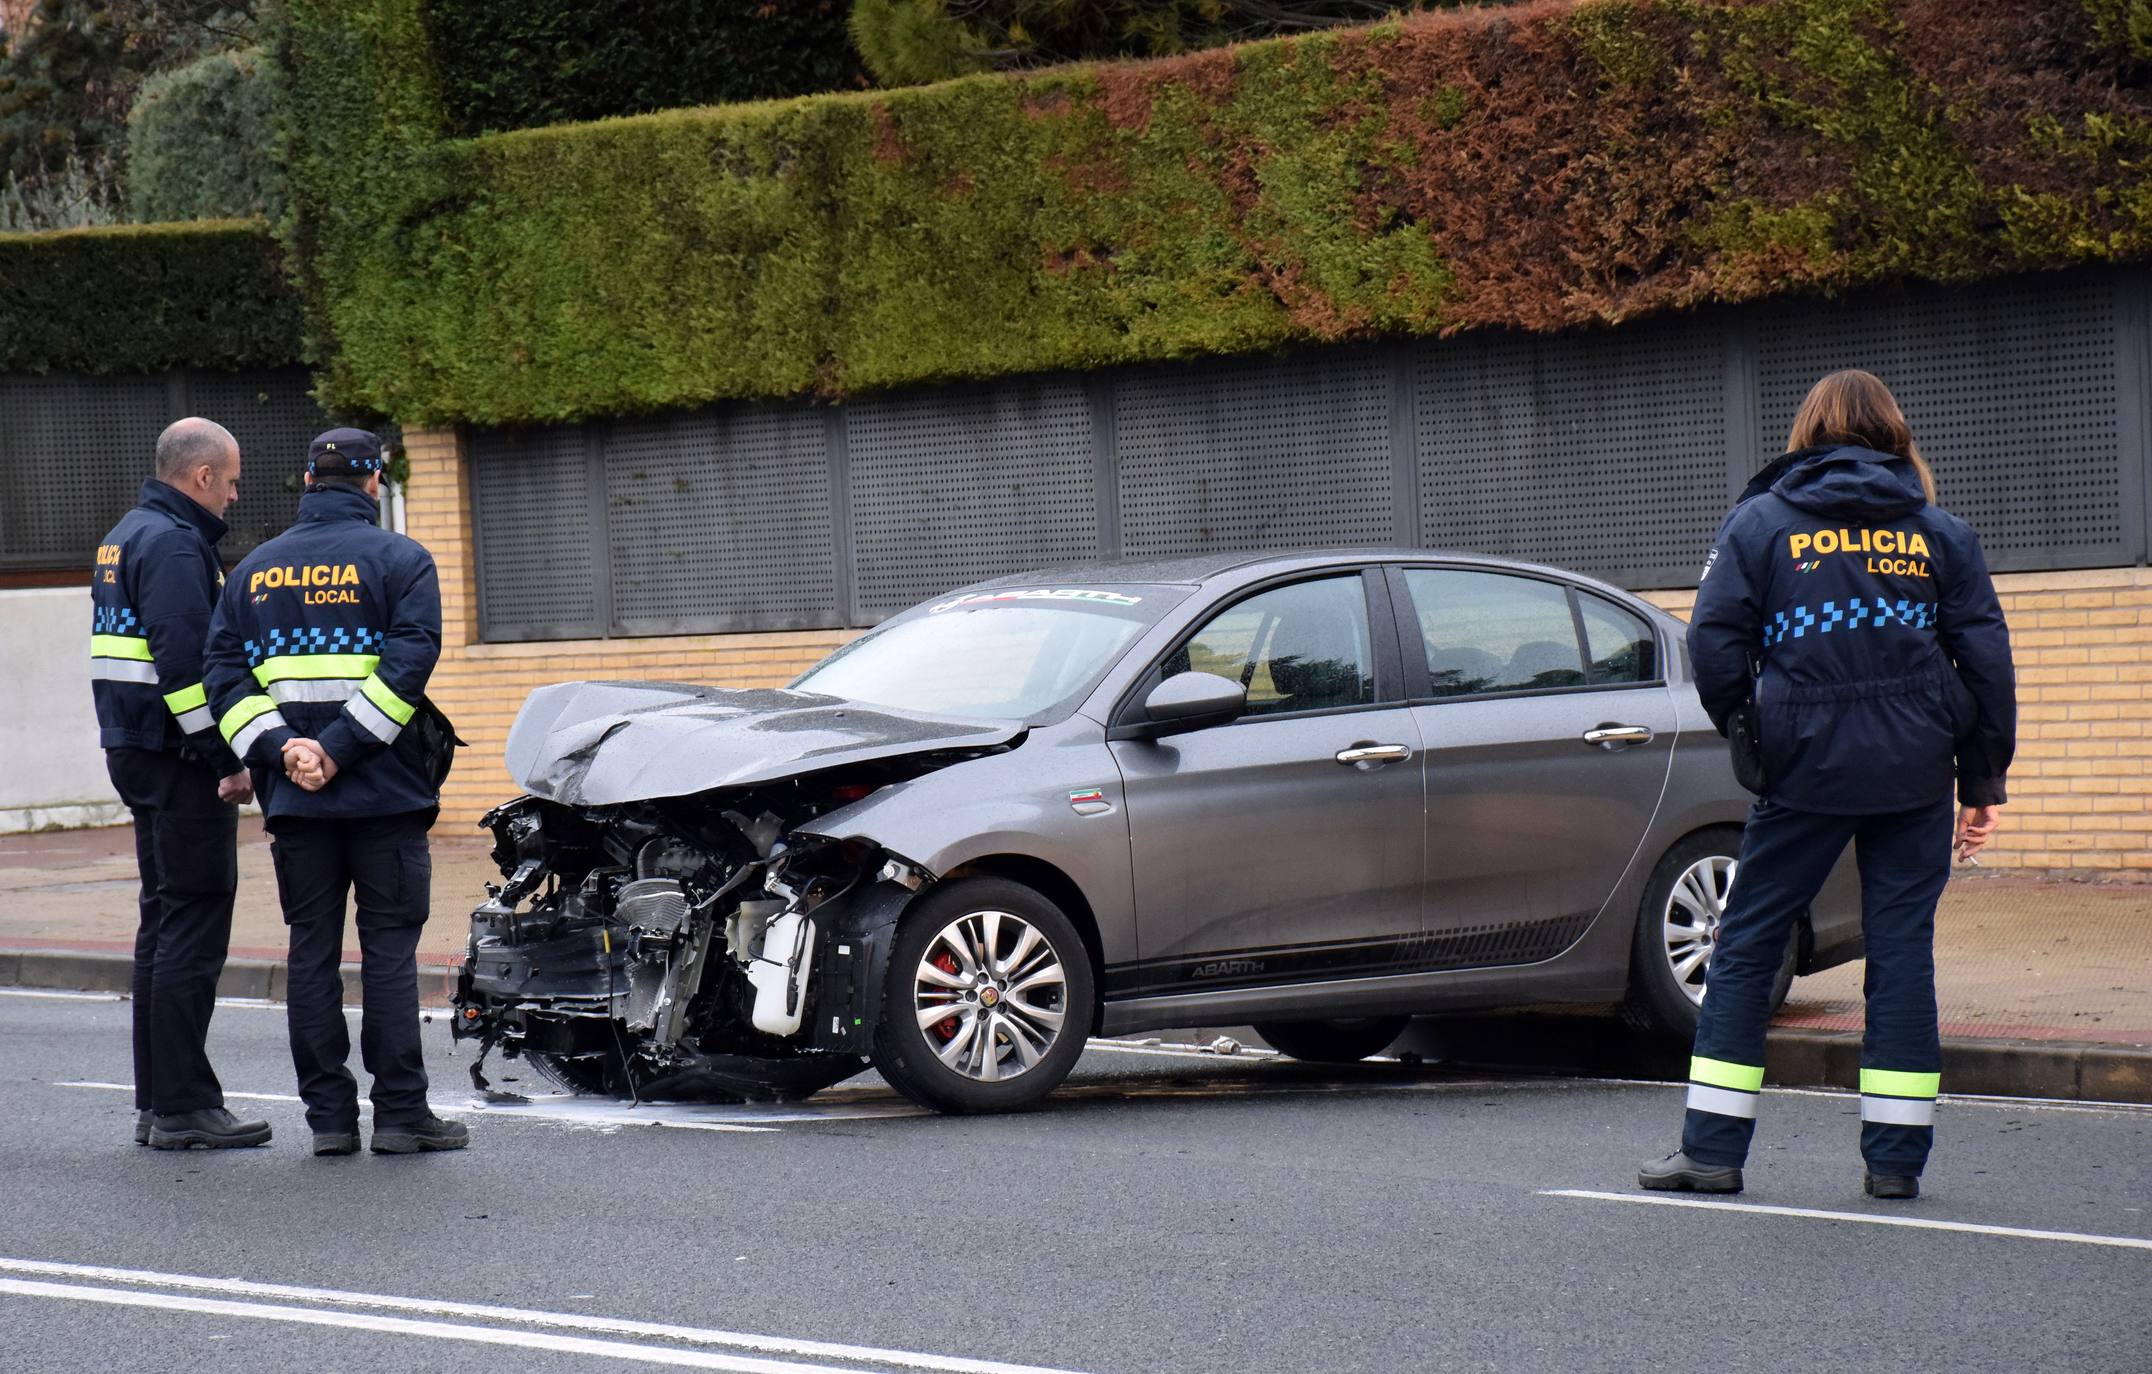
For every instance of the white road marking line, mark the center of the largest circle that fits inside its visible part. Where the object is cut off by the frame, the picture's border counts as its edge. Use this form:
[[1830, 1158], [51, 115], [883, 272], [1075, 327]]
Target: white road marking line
[[1165, 1051], [569, 1321], [575, 1110], [1814, 1213], [2037, 1104]]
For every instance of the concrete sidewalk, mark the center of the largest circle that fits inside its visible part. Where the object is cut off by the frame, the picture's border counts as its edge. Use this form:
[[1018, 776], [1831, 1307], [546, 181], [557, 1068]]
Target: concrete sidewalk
[[2045, 986]]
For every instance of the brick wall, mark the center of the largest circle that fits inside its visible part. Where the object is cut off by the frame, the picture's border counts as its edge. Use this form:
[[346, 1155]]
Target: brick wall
[[2083, 642]]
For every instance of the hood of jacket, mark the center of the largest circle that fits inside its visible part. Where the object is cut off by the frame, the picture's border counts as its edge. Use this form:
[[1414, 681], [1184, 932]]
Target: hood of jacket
[[1843, 483], [173, 502]]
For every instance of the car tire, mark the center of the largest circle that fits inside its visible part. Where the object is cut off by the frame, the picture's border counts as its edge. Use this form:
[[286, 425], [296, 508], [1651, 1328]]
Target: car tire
[[1339, 1041], [1686, 893], [995, 1052]]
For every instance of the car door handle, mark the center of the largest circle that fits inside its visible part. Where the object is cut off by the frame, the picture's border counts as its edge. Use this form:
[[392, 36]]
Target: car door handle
[[1374, 753], [1614, 736]]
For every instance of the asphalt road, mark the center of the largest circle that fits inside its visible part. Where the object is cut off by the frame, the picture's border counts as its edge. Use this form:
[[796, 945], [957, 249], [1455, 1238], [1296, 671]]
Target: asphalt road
[[1164, 1212]]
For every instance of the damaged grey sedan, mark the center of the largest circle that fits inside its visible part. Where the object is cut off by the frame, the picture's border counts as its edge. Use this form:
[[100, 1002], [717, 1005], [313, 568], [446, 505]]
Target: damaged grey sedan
[[1320, 794]]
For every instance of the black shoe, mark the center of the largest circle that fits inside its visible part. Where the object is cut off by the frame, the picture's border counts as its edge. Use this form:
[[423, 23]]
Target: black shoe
[[1677, 1173], [142, 1120], [1893, 1187], [212, 1128], [427, 1133], [337, 1142]]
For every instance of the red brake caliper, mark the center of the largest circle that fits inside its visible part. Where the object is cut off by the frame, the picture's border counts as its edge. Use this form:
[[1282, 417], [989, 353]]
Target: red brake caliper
[[946, 1028]]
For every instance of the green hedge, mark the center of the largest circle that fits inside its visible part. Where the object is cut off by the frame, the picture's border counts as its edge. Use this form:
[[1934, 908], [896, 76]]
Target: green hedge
[[145, 298], [1539, 169], [202, 142], [517, 64]]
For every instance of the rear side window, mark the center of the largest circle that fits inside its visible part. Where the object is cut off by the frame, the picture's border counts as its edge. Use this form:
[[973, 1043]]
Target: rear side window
[[1618, 644], [1302, 647], [1490, 632]]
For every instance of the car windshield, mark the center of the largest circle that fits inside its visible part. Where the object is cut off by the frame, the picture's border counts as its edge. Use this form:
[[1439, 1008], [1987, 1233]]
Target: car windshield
[[1007, 654]]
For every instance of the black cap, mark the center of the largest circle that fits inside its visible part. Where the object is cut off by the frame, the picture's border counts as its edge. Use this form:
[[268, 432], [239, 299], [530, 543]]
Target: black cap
[[343, 453]]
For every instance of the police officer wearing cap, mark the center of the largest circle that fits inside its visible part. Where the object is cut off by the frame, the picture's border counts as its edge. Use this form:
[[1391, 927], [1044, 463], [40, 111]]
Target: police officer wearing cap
[[317, 666], [151, 595], [1847, 624]]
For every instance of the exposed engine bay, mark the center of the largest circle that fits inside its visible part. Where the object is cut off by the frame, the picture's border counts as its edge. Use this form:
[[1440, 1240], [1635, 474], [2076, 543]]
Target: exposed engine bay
[[694, 947]]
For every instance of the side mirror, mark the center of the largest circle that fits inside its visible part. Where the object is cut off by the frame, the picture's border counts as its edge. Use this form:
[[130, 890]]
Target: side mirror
[[1191, 701]]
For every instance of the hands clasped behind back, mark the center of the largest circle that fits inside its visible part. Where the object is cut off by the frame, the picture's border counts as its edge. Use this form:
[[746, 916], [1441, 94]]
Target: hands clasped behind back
[[308, 764]]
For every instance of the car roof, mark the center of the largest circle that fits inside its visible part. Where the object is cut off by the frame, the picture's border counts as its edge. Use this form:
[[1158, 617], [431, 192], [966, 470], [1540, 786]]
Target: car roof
[[1193, 570]]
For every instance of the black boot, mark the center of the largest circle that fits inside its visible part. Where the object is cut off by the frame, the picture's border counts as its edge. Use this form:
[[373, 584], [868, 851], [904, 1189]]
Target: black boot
[[1893, 1187], [416, 1137], [142, 1121], [1677, 1173], [212, 1128], [337, 1140]]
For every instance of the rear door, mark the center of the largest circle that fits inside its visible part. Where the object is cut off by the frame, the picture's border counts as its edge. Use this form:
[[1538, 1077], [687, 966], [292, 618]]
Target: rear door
[[1548, 732], [1287, 844]]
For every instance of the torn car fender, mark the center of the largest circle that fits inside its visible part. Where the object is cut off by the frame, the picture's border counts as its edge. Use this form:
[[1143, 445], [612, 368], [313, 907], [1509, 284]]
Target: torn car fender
[[855, 933], [1057, 800]]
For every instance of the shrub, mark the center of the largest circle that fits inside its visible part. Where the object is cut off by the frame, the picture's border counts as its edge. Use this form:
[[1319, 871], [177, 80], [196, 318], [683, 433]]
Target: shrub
[[1539, 168], [145, 298], [202, 142]]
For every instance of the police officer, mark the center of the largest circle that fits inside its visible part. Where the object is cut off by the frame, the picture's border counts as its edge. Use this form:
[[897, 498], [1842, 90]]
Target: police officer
[[1854, 618], [318, 660], [151, 594]]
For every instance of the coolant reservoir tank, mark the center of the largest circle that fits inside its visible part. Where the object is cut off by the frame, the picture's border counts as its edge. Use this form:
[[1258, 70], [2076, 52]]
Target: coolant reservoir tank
[[779, 974]]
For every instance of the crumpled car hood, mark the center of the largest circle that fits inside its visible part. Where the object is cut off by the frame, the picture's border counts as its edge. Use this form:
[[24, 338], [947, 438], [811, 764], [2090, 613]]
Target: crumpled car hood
[[605, 743]]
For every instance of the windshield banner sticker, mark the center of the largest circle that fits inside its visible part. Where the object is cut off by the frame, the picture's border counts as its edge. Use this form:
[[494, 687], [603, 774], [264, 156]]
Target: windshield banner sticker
[[1094, 597]]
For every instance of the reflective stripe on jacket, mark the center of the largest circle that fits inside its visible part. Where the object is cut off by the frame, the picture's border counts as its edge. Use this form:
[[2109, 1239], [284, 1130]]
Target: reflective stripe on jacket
[[330, 632], [152, 591], [1885, 663]]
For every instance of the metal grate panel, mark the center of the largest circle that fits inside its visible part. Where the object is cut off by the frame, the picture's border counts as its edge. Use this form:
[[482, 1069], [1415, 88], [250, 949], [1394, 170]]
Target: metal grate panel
[[720, 520], [536, 566], [1255, 454], [273, 418], [955, 486], [2011, 390], [1601, 452], [73, 454]]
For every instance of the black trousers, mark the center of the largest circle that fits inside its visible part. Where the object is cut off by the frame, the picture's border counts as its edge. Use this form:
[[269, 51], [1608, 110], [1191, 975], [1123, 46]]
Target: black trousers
[[187, 848], [1785, 857], [386, 861]]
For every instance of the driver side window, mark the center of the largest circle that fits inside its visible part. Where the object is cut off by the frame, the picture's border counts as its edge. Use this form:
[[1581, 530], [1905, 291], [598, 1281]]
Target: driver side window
[[1303, 647]]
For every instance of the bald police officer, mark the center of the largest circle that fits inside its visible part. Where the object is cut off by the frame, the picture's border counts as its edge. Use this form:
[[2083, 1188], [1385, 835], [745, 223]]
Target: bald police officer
[[151, 594], [317, 666]]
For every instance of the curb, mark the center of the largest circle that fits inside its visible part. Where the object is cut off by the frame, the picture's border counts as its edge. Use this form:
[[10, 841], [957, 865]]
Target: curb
[[75, 970], [1792, 1059]]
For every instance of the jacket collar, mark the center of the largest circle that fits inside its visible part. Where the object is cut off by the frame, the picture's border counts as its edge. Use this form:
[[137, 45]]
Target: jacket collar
[[160, 496], [339, 503]]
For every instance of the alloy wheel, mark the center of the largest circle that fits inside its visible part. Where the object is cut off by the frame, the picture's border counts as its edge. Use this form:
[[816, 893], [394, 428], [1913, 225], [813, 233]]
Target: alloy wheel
[[990, 994], [1694, 909]]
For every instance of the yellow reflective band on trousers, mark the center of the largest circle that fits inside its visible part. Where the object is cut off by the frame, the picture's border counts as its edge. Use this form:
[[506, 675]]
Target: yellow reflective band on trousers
[[286, 667], [187, 699], [119, 646], [1747, 1078], [240, 716], [1897, 1083], [392, 706]]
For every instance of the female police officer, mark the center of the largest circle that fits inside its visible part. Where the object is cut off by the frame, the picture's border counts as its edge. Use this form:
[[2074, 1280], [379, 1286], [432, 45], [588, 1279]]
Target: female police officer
[[1850, 623]]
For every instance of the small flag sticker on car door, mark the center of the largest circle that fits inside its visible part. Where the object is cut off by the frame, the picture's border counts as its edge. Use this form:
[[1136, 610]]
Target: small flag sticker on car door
[[1089, 801]]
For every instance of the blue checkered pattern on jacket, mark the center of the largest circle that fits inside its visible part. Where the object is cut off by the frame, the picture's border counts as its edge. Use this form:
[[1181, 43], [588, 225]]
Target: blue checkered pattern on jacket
[[317, 639], [114, 620], [1856, 614]]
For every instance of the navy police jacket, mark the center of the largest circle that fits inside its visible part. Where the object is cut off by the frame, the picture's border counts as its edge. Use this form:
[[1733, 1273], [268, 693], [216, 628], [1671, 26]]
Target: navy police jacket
[[1884, 661], [329, 631], [151, 595]]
